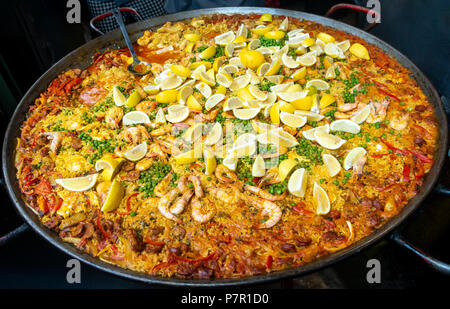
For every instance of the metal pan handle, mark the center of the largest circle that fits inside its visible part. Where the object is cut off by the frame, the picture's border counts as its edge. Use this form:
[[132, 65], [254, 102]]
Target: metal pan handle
[[341, 6], [107, 14], [15, 232]]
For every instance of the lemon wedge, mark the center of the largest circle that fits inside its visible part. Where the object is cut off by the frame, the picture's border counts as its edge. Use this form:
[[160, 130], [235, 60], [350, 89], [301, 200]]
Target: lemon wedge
[[230, 161], [242, 31], [326, 100], [304, 103], [344, 45], [275, 113], [281, 138], [299, 74], [276, 79], [254, 44], [309, 134], [133, 99], [204, 89], [297, 182], [261, 127], [244, 150], [274, 34], [177, 113], [136, 153], [362, 115], [208, 53], [160, 118], [327, 140], [171, 82], [78, 184], [321, 200], [229, 49], [206, 78], [196, 64], [240, 82], [224, 79], [193, 37], [258, 167], [359, 51], [292, 120], [118, 97], [229, 68], [266, 17], [309, 115], [325, 37], [274, 67], [210, 161], [194, 132], [213, 101], [232, 103], [214, 135], [167, 96], [184, 94], [196, 73], [285, 168], [151, 89], [245, 113], [135, 117], [261, 30], [180, 70], [114, 198], [319, 84], [192, 103], [188, 157], [224, 39], [109, 166], [251, 58], [332, 164], [345, 125], [331, 50], [353, 156], [289, 62], [307, 60], [257, 93], [292, 96]]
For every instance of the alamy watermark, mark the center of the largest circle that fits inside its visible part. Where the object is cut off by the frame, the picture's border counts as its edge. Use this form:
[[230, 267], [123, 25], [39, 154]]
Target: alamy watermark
[[74, 273], [73, 15]]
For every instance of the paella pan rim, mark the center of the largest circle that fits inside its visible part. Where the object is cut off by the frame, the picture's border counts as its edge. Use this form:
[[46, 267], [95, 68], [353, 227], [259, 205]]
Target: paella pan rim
[[136, 29]]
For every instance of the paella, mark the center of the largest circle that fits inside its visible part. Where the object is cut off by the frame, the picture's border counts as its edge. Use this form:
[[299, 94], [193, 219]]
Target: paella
[[257, 143]]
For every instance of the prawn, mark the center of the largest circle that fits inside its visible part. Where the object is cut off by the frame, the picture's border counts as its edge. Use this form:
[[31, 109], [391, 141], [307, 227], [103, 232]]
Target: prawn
[[161, 188], [164, 203], [178, 207], [197, 212], [378, 113], [269, 210], [221, 171], [263, 193], [56, 138], [134, 135], [113, 116]]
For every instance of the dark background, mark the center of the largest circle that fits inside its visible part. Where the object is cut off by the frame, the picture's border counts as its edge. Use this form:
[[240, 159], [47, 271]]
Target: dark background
[[35, 35]]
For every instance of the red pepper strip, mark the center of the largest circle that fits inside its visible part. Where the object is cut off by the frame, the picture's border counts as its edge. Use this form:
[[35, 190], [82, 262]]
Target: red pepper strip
[[421, 157], [55, 204], [403, 152], [100, 228], [424, 131], [154, 243], [128, 201], [256, 180], [387, 187], [269, 262], [379, 84], [406, 171], [389, 94], [207, 258], [420, 169], [162, 265], [43, 187]]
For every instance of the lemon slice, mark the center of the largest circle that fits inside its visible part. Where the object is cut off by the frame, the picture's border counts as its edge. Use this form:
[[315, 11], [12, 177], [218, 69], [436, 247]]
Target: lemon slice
[[194, 132], [119, 98], [309, 115], [232, 103], [192, 103], [240, 82], [195, 65], [330, 73], [245, 95], [257, 93], [292, 96], [213, 101], [210, 161], [180, 70], [276, 79], [297, 182], [196, 73], [307, 60], [243, 150], [274, 34], [353, 156], [331, 50], [359, 51], [135, 117], [214, 135], [208, 53], [193, 37], [150, 89], [308, 42], [167, 96], [188, 157], [254, 44], [326, 100], [274, 67], [299, 74], [184, 94], [230, 161], [285, 168], [282, 138], [344, 45], [229, 69], [261, 30], [114, 198], [286, 107], [325, 37], [133, 99], [224, 38], [160, 118], [258, 167], [292, 120], [245, 113], [177, 113], [136, 153], [261, 127], [109, 166], [172, 82], [284, 24], [78, 184], [345, 125], [309, 134], [332, 164], [204, 89], [318, 83], [207, 78], [262, 69], [289, 62], [271, 98], [275, 113], [224, 79], [242, 31], [303, 103], [321, 200], [327, 140], [236, 61], [362, 115]]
